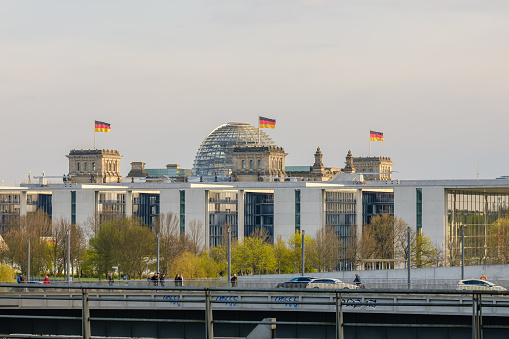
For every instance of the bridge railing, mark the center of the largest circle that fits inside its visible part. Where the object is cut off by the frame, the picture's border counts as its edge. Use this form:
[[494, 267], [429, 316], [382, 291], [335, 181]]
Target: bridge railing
[[255, 282], [206, 300]]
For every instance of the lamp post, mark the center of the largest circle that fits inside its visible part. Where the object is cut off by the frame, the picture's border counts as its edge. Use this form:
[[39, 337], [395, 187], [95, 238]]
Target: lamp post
[[28, 260], [68, 274], [229, 255], [462, 252], [408, 255], [157, 246], [303, 252]]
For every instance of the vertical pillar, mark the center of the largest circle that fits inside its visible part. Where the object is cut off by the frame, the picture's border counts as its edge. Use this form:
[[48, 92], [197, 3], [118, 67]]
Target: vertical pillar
[[22, 203], [358, 213], [128, 203], [209, 328], [303, 252], [206, 217], [85, 315], [339, 317], [240, 215]]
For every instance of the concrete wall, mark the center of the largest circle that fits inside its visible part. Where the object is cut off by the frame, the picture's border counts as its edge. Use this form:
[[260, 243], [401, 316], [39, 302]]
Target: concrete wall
[[284, 212], [61, 205], [434, 214], [311, 210]]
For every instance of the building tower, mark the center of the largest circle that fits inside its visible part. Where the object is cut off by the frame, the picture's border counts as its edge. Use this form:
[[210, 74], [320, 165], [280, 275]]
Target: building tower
[[94, 166], [349, 167], [255, 162]]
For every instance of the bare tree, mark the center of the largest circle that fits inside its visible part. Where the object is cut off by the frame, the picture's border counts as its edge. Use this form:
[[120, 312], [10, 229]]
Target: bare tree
[[195, 237], [327, 246]]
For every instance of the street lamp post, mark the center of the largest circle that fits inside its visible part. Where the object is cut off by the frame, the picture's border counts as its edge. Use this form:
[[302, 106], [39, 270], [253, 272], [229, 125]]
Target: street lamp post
[[408, 255], [229, 255], [303, 253], [462, 252], [157, 245], [68, 274], [28, 260]]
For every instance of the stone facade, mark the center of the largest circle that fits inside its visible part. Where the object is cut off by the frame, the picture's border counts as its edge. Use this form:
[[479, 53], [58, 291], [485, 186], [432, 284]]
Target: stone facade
[[381, 167], [94, 166], [256, 163]]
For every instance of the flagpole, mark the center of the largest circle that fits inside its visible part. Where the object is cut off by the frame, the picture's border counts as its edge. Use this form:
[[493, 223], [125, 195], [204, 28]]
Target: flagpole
[[258, 130], [94, 133], [369, 144]]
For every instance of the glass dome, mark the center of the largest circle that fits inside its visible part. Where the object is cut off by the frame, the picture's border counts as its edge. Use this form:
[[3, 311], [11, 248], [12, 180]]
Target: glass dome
[[214, 155]]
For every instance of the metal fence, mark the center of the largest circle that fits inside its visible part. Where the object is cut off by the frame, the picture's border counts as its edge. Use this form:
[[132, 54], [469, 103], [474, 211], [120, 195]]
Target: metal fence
[[205, 299]]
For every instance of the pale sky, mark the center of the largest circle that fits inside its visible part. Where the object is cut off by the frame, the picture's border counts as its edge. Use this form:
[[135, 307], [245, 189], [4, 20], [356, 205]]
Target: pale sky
[[432, 75]]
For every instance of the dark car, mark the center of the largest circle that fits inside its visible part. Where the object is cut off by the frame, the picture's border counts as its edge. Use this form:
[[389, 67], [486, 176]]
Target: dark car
[[298, 282]]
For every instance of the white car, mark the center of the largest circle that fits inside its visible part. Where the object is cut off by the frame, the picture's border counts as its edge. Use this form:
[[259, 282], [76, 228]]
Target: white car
[[331, 283], [478, 285]]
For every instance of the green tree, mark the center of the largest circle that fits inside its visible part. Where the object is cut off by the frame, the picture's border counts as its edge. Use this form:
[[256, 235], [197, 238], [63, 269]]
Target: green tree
[[283, 256], [7, 273], [123, 243], [424, 253], [498, 241], [294, 246]]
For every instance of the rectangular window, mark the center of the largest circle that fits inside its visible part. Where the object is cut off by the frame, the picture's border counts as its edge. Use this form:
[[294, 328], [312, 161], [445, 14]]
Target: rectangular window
[[182, 212], [73, 207], [418, 199], [297, 210]]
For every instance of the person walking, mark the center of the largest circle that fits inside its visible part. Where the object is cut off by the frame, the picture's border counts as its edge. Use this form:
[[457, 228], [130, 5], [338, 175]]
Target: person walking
[[233, 280], [161, 279], [357, 280], [110, 279], [176, 279], [46, 280]]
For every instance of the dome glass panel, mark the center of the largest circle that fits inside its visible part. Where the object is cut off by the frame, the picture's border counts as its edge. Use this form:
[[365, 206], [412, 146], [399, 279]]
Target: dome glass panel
[[214, 155]]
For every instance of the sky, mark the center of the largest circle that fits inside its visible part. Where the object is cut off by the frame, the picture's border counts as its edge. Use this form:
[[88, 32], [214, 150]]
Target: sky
[[432, 76]]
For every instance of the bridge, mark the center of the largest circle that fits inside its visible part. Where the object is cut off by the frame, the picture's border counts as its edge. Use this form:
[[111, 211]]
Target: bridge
[[91, 311]]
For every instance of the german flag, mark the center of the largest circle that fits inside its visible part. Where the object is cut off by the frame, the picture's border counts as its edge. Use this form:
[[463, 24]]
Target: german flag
[[376, 136], [101, 126], [267, 123]]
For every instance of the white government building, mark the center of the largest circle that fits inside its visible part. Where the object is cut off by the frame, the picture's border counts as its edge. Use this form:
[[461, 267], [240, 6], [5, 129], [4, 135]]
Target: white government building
[[255, 189]]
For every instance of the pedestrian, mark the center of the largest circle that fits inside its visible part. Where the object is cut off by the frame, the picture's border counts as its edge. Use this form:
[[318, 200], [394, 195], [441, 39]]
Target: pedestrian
[[161, 279], [46, 280], [155, 278], [233, 280], [357, 280], [181, 280], [176, 279], [110, 279]]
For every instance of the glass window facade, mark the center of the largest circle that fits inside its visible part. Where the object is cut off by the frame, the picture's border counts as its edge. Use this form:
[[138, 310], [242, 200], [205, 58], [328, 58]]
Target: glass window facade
[[214, 155], [111, 205], [297, 210], [340, 214], [475, 211], [418, 209], [376, 203], [146, 207], [73, 207], [39, 202], [259, 213], [182, 212], [9, 208], [223, 210]]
